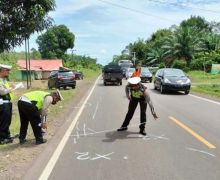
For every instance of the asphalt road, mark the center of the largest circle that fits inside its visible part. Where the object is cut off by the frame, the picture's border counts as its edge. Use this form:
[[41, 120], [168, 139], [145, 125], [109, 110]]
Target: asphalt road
[[182, 144]]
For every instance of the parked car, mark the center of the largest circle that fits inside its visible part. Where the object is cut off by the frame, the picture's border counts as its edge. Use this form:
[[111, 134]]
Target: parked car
[[171, 79], [58, 79], [145, 75], [129, 72], [78, 75]]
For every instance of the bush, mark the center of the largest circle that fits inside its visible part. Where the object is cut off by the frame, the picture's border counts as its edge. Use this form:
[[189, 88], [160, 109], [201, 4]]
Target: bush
[[201, 64], [179, 64], [162, 65]]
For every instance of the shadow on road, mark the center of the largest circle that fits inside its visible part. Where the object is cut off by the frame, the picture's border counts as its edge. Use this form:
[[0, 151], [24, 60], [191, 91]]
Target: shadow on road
[[112, 136]]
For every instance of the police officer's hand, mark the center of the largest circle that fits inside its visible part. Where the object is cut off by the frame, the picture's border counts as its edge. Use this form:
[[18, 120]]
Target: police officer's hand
[[155, 116]]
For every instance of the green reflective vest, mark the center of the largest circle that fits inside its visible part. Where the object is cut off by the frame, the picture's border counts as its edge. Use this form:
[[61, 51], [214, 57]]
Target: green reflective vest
[[37, 96], [5, 84], [136, 94]]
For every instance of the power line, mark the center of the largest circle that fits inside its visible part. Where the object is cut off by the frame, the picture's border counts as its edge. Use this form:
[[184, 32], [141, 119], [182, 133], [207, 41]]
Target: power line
[[183, 5], [136, 11]]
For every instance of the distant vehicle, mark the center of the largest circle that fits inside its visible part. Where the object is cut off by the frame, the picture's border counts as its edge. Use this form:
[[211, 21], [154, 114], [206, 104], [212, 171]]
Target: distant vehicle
[[124, 67], [64, 79], [129, 72], [171, 79], [112, 74], [125, 61], [145, 75]]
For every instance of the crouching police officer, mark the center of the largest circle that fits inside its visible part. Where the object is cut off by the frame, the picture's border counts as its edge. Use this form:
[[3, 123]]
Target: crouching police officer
[[32, 108], [137, 93], [5, 105]]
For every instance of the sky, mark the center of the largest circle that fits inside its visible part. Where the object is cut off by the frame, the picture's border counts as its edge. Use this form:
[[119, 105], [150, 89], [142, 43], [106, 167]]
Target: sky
[[103, 28]]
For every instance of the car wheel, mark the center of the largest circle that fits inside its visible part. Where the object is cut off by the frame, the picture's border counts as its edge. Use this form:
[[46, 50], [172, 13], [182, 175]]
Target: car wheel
[[105, 83], [186, 91], [161, 89], [120, 83], [64, 87], [155, 88], [73, 87]]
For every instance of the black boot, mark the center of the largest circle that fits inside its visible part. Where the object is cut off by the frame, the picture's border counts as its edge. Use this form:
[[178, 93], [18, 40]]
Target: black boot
[[142, 131], [122, 129], [40, 141]]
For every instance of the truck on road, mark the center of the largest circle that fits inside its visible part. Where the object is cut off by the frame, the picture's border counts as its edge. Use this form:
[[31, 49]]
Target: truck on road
[[112, 74]]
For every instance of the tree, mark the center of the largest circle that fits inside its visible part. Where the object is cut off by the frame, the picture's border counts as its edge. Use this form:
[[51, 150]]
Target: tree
[[18, 20], [182, 44], [35, 54], [55, 42]]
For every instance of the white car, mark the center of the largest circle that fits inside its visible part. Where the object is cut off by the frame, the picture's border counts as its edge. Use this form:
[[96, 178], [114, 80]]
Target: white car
[[129, 72]]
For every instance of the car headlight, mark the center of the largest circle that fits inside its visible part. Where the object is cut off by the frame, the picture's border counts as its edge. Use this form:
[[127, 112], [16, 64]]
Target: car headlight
[[166, 80], [188, 81]]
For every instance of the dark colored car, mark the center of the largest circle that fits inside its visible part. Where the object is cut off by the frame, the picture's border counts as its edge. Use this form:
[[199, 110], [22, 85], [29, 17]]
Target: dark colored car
[[171, 79], [78, 75], [146, 75], [58, 79]]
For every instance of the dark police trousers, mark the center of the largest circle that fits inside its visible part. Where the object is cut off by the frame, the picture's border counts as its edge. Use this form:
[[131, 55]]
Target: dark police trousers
[[5, 120], [29, 113], [131, 109]]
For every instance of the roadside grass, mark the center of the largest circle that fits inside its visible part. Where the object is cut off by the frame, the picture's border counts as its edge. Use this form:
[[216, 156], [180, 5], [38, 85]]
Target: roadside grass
[[54, 111], [205, 83]]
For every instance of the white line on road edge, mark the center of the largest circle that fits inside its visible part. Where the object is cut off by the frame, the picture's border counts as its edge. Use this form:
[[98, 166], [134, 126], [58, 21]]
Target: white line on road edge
[[208, 100], [50, 165]]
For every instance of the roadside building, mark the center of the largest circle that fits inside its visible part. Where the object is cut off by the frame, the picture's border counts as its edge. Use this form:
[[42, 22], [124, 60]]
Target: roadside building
[[40, 69]]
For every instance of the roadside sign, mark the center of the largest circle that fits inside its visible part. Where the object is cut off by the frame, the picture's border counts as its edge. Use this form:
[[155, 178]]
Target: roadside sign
[[215, 69]]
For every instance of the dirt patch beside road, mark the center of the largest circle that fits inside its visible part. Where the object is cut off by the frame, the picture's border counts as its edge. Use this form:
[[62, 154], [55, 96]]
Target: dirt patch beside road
[[16, 159]]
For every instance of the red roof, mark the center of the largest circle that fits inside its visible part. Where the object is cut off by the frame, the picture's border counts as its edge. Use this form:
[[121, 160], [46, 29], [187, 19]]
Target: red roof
[[41, 65]]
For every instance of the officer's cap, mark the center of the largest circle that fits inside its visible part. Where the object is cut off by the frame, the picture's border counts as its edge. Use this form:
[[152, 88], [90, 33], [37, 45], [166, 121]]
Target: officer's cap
[[4, 66], [134, 80]]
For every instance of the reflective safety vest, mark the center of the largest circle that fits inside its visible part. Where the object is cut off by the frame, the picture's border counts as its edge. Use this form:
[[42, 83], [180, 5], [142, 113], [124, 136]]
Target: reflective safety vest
[[37, 96], [6, 85], [136, 73], [136, 94]]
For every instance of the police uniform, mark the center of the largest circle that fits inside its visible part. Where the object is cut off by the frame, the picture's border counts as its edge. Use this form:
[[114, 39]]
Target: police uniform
[[5, 106], [136, 96], [32, 107]]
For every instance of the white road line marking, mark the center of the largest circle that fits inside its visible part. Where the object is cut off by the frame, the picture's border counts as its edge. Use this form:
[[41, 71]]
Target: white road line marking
[[208, 100], [204, 152], [50, 165]]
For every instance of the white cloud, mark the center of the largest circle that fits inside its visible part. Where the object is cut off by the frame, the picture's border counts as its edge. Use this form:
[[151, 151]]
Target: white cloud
[[105, 28]]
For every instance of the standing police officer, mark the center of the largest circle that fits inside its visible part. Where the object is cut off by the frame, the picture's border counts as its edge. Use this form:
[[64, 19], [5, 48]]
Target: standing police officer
[[5, 105], [137, 93], [32, 108]]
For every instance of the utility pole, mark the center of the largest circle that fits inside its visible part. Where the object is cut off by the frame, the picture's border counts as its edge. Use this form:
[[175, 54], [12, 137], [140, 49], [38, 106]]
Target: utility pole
[[134, 57], [72, 50]]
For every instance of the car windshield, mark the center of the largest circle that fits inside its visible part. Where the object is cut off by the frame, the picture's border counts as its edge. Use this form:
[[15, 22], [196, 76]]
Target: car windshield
[[65, 74], [125, 65], [131, 70], [145, 70], [174, 73]]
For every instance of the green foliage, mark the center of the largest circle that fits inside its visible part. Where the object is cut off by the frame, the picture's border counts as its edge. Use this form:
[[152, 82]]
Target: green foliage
[[19, 19], [162, 65], [55, 42], [180, 64]]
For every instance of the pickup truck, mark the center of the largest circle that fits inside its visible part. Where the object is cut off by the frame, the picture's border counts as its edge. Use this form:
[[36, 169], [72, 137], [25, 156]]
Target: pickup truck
[[112, 74]]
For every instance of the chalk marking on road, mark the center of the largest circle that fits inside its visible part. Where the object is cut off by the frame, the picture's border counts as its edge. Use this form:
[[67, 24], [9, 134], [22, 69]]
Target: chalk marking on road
[[102, 156], [84, 129], [208, 100], [193, 133], [204, 152], [50, 165], [87, 156], [96, 109]]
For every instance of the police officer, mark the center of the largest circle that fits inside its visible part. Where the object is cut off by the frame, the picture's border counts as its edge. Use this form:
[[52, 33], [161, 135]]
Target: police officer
[[32, 108], [5, 105], [137, 93]]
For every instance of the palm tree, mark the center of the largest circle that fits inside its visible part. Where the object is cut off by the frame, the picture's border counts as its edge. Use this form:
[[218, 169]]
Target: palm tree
[[182, 44]]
